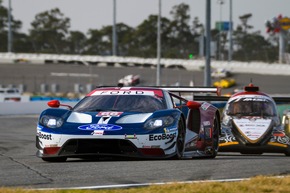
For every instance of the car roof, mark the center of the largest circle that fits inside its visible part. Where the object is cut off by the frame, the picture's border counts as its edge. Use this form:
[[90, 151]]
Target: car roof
[[250, 91]]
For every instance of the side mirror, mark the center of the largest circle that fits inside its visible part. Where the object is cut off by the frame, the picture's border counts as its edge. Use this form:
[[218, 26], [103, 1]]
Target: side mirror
[[53, 103], [56, 104], [193, 104]]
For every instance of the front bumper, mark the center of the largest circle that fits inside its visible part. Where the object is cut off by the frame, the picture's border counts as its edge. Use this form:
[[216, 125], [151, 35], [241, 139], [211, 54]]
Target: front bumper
[[270, 147]]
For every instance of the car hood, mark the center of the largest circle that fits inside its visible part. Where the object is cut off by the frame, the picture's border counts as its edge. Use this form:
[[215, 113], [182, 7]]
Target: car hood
[[105, 117]]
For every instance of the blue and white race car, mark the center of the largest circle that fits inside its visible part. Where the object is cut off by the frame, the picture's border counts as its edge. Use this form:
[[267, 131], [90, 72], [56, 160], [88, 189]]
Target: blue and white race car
[[141, 122]]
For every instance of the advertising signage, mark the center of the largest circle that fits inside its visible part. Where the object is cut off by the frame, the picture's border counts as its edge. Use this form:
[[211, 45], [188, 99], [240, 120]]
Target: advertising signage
[[223, 25]]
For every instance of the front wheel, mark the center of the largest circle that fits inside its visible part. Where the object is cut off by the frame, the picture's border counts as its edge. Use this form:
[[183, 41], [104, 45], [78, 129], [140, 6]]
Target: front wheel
[[180, 140]]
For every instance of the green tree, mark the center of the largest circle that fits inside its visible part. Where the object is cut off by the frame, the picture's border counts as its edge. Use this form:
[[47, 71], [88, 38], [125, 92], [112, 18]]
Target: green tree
[[125, 41], [181, 40], [49, 32], [100, 41], [76, 42], [97, 43], [144, 38], [252, 46]]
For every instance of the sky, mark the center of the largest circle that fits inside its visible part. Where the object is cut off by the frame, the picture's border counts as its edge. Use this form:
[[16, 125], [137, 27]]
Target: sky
[[94, 14]]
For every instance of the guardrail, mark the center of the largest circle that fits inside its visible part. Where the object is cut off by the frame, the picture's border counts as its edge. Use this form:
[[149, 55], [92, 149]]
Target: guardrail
[[25, 108], [118, 61]]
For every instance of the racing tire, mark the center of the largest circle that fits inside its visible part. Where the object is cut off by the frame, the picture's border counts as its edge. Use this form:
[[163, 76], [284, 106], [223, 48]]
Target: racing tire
[[287, 153], [54, 159], [180, 140], [215, 136]]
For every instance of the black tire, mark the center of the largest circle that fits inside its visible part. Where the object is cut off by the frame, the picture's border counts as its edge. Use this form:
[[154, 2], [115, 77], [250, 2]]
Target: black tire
[[180, 140], [215, 136], [54, 159]]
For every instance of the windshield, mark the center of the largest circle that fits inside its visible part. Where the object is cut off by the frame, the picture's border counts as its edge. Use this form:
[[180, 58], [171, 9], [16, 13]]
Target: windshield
[[244, 107], [124, 103]]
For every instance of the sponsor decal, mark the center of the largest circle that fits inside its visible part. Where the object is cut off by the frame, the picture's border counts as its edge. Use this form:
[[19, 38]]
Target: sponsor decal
[[124, 92], [98, 132], [45, 136], [205, 106], [252, 129], [157, 137], [51, 145], [131, 136], [206, 123], [109, 114], [166, 130], [255, 99], [208, 132], [277, 133], [104, 127]]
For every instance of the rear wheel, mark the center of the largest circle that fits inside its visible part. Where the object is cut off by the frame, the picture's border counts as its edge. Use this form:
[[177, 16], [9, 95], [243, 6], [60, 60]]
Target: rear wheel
[[215, 137], [180, 140], [54, 159]]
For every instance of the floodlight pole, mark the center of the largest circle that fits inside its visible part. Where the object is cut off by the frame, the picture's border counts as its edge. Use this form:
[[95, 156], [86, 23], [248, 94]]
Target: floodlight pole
[[158, 45], [221, 2], [9, 28], [282, 35], [114, 30], [230, 52], [207, 70]]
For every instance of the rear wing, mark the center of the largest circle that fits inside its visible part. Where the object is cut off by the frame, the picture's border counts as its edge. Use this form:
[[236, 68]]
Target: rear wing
[[196, 93], [281, 99], [216, 90], [226, 98]]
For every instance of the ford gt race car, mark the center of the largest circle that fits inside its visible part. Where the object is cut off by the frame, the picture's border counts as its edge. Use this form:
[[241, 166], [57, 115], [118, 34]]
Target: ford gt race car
[[251, 124], [141, 122]]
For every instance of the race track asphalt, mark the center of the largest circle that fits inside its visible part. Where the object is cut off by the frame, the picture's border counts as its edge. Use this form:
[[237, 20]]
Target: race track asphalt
[[19, 167]]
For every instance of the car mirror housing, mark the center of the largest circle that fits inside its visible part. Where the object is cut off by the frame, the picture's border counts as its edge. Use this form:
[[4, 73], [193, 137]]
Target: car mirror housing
[[193, 104], [56, 104], [53, 103]]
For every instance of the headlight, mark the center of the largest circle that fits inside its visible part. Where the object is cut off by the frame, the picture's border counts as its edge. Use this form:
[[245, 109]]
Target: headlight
[[155, 123], [51, 122]]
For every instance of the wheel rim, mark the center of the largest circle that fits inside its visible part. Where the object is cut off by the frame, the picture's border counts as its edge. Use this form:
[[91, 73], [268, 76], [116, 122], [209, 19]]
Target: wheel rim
[[215, 136], [180, 139]]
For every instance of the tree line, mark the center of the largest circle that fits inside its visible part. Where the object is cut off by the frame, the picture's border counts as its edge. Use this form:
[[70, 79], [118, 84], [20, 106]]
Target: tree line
[[50, 33]]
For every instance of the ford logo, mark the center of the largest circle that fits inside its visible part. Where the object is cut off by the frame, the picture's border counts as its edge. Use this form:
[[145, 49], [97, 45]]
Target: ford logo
[[104, 127]]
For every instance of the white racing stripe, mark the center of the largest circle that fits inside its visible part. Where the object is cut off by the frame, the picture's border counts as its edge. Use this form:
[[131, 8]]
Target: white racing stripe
[[148, 184]]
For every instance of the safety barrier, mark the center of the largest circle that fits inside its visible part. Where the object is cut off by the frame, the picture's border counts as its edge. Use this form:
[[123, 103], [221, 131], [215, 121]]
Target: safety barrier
[[118, 61]]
